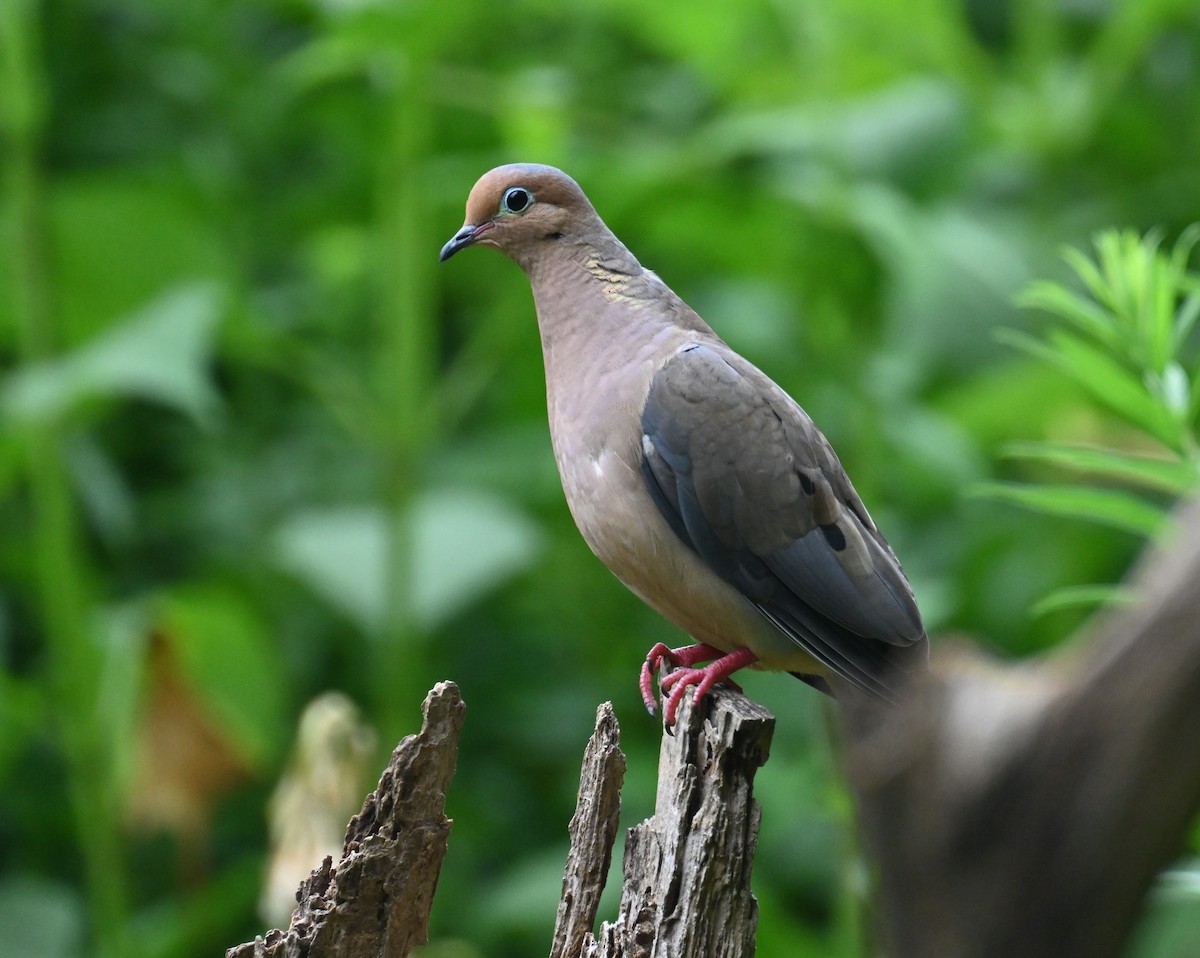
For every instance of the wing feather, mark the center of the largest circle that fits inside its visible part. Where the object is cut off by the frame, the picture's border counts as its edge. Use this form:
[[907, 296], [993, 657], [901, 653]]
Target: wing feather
[[747, 480]]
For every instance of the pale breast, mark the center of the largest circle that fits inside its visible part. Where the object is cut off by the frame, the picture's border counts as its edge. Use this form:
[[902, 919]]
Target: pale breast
[[595, 395], [623, 527]]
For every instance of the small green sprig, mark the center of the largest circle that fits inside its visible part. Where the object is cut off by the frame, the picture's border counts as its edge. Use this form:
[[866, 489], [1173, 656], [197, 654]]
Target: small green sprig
[[1126, 339]]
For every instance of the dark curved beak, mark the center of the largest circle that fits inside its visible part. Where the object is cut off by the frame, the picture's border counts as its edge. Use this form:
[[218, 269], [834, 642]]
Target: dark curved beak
[[462, 239]]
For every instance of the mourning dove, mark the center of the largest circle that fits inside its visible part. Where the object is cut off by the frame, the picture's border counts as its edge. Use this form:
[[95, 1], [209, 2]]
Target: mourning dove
[[699, 482]]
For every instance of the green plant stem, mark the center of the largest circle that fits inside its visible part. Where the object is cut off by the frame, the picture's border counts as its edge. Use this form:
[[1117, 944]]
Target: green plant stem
[[72, 668], [72, 659], [404, 374]]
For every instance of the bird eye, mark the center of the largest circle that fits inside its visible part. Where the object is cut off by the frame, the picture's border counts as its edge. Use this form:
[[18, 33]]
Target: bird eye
[[516, 199]]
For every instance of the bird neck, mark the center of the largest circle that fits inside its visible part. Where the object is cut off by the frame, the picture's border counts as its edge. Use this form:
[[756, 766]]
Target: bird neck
[[606, 324], [548, 256], [586, 294], [594, 293]]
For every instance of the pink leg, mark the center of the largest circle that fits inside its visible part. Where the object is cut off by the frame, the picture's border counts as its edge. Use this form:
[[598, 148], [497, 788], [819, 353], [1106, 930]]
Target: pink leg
[[678, 681], [685, 655]]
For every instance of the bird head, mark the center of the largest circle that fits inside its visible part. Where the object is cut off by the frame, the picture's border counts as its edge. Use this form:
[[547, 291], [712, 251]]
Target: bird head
[[520, 207]]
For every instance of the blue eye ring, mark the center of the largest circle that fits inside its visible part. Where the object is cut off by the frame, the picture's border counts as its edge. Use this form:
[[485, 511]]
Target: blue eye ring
[[516, 199]]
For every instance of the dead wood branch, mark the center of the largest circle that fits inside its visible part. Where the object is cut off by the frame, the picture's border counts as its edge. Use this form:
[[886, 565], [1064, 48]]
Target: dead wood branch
[[687, 869], [593, 830], [376, 900]]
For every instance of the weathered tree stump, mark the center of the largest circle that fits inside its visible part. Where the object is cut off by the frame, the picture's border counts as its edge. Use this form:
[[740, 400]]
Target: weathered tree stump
[[593, 830], [687, 869], [375, 901]]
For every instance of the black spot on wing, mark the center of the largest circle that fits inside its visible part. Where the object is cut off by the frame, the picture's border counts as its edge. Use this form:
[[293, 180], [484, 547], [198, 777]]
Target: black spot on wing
[[834, 536]]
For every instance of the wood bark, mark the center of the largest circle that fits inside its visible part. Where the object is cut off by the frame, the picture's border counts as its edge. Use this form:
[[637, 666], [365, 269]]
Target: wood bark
[[1026, 809], [376, 900], [593, 830], [686, 890]]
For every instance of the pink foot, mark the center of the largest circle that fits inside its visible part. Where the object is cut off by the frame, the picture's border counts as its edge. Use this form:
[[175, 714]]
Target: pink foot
[[678, 682], [685, 655]]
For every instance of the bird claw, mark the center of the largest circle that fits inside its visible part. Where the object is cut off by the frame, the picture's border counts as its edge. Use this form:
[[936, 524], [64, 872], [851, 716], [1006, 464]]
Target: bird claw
[[646, 683], [678, 681]]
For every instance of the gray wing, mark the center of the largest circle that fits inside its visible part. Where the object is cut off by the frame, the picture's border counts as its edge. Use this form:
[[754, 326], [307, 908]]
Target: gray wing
[[746, 480]]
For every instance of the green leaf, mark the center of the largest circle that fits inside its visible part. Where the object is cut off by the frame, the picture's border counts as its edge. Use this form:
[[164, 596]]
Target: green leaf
[[123, 632], [1087, 270], [1082, 596], [1185, 318], [41, 918], [1081, 312], [465, 543], [232, 662], [1169, 475], [1175, 390], [1114, 386], [1170, 927], [341, 554], [160, 354], [1121, 274], [123, 233], [1181, 252], [1105, 506], [1106, 380], [1155, 306]]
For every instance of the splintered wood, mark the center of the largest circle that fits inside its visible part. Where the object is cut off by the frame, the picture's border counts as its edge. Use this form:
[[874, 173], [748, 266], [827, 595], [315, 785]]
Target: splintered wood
[[376, 899], [686, 890]]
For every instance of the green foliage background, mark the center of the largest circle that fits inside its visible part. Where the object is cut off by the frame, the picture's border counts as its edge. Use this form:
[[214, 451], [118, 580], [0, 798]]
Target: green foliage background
[[245, 411]]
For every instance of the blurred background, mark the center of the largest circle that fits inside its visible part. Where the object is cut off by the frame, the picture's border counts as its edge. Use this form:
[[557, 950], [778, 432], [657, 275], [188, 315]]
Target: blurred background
[[256, 445]]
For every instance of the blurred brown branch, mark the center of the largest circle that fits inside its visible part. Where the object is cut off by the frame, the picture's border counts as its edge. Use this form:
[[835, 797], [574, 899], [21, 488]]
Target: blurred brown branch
[[1026, 809]]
